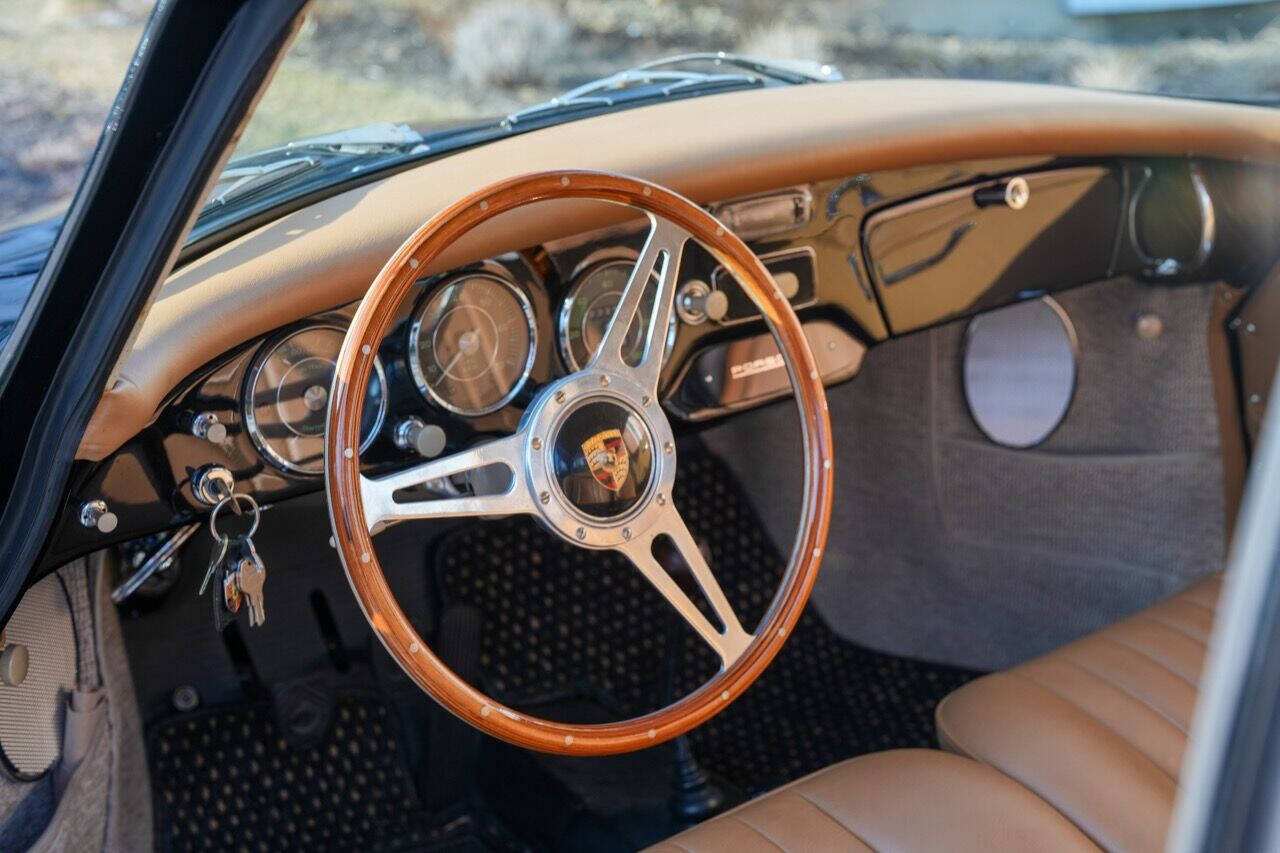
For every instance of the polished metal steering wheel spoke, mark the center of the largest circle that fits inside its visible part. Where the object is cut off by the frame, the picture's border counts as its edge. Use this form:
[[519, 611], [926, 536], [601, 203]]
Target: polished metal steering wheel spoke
[[728, 642], [660, 256], [378, 493]]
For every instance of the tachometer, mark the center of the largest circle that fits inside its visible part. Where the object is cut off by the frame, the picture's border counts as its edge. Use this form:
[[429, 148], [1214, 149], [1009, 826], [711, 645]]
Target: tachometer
[[472, 344], [287, 398], [587, 310]]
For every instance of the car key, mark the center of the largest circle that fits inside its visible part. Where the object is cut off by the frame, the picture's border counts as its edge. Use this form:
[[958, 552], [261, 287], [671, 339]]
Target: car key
[[233, 594], [252, 575], [219, 553]]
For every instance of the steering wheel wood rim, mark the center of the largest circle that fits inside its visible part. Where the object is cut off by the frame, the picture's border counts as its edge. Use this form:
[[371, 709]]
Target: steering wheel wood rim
[[346, 491]]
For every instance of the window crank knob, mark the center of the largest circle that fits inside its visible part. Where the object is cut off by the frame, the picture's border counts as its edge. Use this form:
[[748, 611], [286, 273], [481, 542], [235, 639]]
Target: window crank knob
[[415, 436]]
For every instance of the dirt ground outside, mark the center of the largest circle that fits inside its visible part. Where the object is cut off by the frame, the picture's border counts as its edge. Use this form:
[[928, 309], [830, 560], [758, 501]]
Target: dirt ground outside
[[362, 61]]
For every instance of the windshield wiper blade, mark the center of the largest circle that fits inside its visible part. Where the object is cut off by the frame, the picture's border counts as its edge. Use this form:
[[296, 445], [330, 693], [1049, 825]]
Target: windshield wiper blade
[[653, 81], [632, 87], [665, 78], [239, 181], [381, 138], [795, 73], [248, 175]]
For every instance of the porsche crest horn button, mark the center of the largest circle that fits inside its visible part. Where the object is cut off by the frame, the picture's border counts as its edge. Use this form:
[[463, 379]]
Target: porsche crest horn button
[[607, 459], [602, 458]]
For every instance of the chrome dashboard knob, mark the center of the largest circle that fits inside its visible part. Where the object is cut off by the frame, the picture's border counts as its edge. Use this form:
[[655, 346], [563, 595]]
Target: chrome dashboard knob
[[697, 302], [414, 436], [1013, 194], [95, 516], [207, 426]]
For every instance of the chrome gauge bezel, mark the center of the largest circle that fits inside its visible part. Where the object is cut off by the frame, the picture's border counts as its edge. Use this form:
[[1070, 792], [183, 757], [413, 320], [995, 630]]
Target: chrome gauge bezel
[[251, 380], [415, 331], [565, 314]]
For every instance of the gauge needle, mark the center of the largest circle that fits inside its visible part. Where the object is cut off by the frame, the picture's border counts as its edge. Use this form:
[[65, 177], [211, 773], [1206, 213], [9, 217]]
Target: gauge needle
[[445, 370], [468, 342]]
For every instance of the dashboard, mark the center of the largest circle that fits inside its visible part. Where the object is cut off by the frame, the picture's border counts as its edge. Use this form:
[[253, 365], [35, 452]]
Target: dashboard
[[860, 258], [469, 349]]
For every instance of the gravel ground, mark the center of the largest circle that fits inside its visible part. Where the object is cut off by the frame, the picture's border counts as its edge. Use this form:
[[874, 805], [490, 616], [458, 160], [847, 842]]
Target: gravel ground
[[48, 135], [355, 62]]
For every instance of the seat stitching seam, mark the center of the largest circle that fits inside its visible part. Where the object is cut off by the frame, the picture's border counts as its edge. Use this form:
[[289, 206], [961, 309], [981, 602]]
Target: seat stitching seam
[[1115, 685], [833, 819], [1190, 678], [941, 726], [1098, 721], [1171, 626], [1188, 600], [1150, 657], [758, 832]]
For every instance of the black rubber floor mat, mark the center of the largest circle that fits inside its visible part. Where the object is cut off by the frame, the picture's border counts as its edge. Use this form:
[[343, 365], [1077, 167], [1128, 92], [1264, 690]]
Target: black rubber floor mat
[[225, 779], [558, 616]]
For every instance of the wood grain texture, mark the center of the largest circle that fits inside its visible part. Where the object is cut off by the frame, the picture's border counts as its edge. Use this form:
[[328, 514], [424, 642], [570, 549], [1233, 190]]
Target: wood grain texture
[[355, 362]]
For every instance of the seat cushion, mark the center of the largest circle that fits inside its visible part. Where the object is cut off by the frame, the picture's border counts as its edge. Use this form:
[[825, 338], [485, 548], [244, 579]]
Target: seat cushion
[[1098, 727], [916, 800]]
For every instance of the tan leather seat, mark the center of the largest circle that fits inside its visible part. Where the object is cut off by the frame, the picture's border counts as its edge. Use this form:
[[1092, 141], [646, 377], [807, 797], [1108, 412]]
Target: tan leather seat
[[914, 799], [1094, 732], [1098, 727]]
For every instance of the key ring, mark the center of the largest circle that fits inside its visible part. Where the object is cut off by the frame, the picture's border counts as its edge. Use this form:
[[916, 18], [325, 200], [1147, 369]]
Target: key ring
[[253, 504]]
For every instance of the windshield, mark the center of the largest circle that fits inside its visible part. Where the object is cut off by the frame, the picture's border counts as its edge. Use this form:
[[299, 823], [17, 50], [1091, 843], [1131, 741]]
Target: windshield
[[367, 85], [440, 63]]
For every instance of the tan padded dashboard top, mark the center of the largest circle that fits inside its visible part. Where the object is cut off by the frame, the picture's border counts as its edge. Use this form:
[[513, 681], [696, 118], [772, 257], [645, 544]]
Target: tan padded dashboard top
[[707, 148]]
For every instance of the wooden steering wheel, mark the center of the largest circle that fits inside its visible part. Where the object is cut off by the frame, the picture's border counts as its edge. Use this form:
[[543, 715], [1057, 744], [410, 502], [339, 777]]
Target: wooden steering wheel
[[615, 405]]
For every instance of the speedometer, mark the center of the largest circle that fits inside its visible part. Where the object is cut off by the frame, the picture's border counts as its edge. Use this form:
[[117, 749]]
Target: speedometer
[[287, 398], [587, 310], [472, 344]]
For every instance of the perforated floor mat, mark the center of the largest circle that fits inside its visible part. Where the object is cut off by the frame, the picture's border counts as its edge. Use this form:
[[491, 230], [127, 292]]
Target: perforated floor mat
[[560, 618], [225, 779]]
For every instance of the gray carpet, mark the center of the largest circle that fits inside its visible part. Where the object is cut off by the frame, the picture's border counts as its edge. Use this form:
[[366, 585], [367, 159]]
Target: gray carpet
[[949, 548]]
